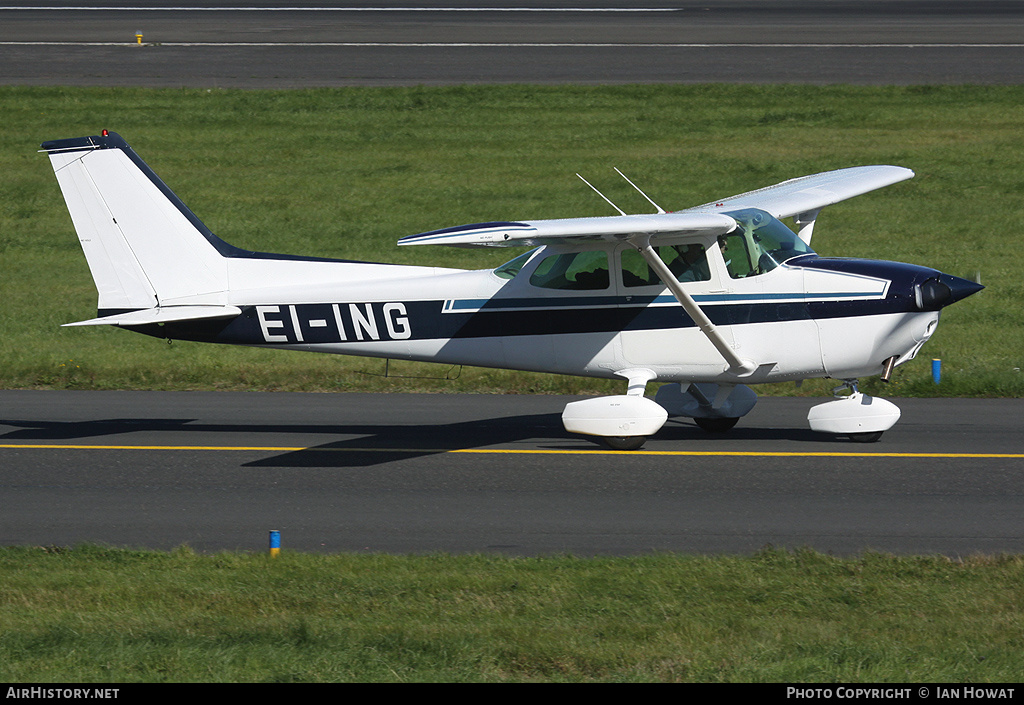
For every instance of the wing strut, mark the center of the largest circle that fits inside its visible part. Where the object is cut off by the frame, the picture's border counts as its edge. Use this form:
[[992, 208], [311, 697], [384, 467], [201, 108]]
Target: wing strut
[[737, 365], [805, 223]]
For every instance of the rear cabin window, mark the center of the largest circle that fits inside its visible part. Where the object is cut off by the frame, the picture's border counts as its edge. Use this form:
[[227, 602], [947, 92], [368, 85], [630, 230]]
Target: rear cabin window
[[579, 271]]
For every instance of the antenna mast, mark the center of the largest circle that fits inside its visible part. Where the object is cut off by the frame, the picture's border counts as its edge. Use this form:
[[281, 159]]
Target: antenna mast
[[621, 212], [659, 208]]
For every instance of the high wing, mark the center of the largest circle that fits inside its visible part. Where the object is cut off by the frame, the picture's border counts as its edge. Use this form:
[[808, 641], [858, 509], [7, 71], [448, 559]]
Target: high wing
[[808, 194], [801, 198], [550, 232]]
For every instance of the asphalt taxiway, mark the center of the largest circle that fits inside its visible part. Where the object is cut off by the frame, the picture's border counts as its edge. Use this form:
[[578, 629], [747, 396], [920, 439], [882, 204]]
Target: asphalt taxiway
[[492, 473]]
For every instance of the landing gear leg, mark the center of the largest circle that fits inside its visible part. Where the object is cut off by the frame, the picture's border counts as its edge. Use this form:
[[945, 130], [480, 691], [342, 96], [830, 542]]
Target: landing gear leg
[[715, 408]]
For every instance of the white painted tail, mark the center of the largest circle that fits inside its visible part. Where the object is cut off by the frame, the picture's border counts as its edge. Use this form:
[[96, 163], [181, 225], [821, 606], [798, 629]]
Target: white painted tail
[[144, 247]]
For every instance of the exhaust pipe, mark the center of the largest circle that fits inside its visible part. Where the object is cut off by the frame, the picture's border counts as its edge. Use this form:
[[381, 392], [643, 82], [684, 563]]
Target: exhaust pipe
[[887, 368]]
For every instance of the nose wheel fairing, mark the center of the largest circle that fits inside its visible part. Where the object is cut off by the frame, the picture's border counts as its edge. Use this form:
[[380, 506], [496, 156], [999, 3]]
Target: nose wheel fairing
[[859, 416]]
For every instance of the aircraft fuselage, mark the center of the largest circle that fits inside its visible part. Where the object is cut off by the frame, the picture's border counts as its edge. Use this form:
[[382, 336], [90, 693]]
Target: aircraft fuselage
[[810, 317]]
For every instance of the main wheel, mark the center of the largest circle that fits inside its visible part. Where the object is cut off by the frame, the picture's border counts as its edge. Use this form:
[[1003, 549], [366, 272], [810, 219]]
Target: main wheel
[[624, 442], [716, 425], [867, 437]]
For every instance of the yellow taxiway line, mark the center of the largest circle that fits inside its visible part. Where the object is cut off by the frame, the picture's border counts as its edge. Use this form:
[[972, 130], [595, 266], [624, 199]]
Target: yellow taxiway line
[[517, 451]]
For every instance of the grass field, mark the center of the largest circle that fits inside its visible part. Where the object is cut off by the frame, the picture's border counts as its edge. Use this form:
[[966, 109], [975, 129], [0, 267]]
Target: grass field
[[117, 616], [346, 172]]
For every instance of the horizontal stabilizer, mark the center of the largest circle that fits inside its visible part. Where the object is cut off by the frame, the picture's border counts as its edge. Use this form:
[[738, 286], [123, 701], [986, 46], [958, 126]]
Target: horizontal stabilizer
[[811, 193], [162, 314], [549, 232]]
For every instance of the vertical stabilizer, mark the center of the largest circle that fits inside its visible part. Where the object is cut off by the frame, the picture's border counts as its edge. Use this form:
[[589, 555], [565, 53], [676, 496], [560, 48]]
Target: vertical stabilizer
[[144, 247]]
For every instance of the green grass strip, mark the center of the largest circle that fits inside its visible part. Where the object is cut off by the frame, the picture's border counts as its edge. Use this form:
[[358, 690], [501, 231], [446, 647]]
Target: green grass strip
[[95, 614]]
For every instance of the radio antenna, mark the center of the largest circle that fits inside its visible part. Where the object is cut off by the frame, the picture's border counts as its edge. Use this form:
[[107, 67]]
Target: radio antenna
[[659, 208], [602, 195]]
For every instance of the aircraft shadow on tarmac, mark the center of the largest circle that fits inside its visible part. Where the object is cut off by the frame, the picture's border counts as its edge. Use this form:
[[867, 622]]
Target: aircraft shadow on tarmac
[[368, 445]]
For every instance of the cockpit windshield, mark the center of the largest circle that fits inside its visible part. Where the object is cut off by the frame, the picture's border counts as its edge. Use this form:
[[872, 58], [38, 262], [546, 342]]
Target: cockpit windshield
[[760, 244], [511, 269]]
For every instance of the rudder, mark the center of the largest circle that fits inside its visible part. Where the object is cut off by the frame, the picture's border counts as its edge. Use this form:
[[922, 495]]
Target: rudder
[[144, 247]]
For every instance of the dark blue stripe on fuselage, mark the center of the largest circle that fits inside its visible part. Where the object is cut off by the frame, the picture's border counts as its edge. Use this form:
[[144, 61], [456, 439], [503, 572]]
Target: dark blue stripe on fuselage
[[424, 320]]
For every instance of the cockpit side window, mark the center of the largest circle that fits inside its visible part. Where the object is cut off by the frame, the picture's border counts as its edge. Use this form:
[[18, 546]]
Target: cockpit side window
[[573, 271], [689, 263], [738, 257], [760, 244]]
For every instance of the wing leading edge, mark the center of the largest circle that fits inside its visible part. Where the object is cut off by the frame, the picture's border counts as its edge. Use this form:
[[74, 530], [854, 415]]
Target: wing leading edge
[[549, 232]]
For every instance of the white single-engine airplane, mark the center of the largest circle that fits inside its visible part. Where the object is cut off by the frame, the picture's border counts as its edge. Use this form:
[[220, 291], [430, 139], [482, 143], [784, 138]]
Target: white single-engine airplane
[[706, 301]]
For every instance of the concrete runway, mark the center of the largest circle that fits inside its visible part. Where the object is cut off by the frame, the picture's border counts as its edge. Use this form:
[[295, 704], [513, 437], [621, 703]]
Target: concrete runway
[[474, 473], [799, 41]]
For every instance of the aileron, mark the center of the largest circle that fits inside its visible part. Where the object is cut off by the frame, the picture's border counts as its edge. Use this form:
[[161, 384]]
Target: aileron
[[814, 192]]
